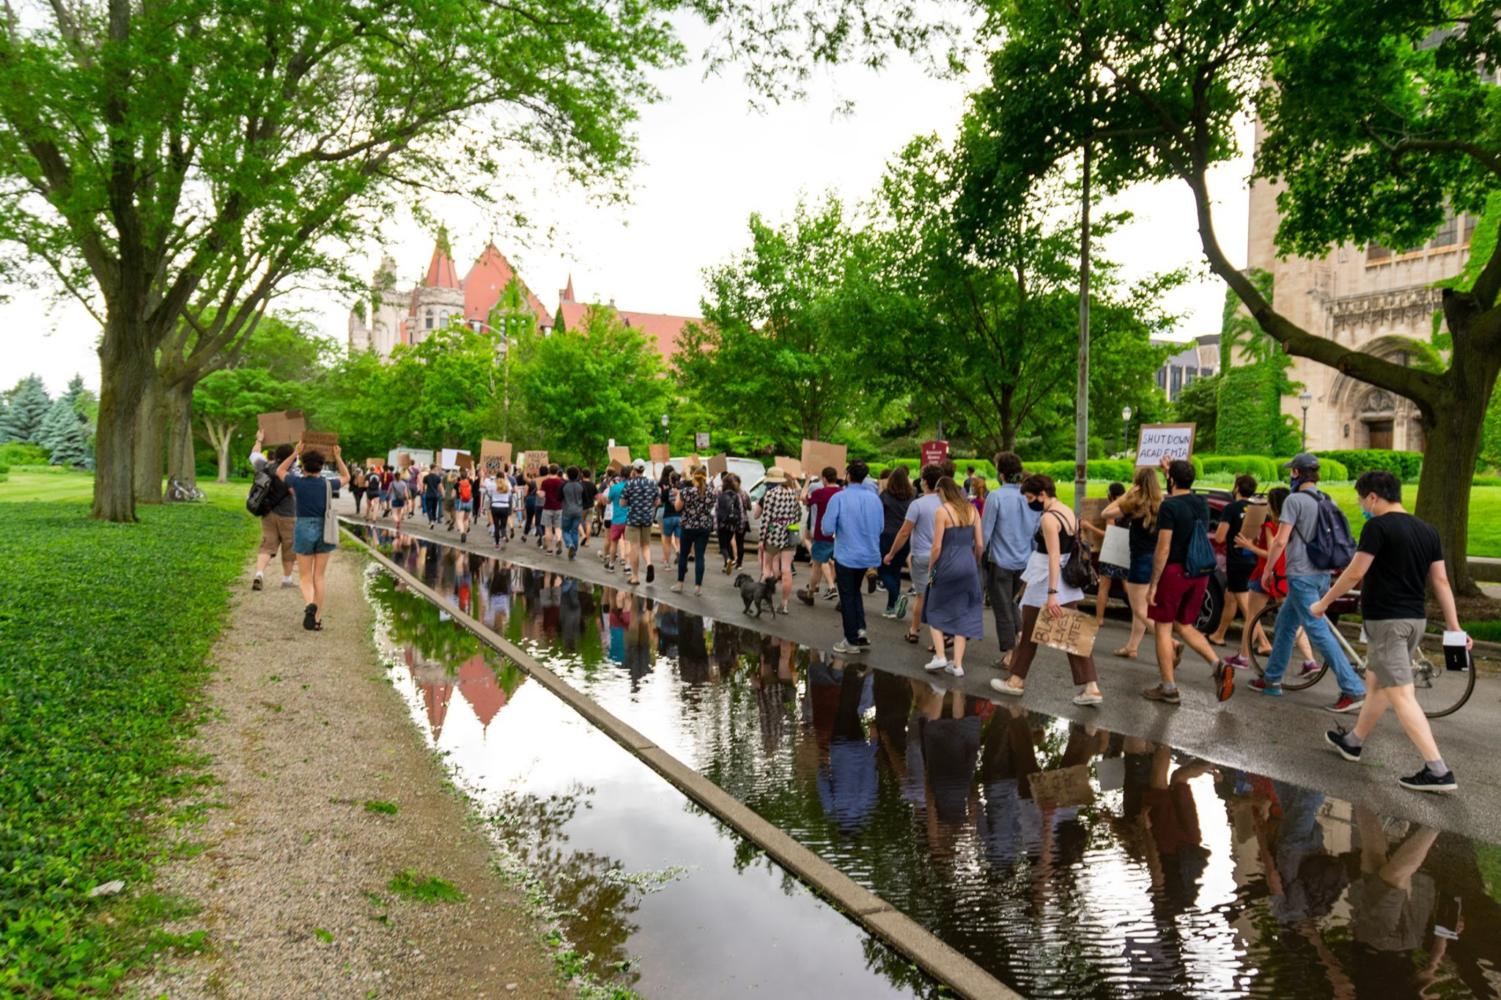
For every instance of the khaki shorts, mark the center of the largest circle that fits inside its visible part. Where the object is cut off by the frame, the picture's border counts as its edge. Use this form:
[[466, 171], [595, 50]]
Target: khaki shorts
[[276, 533], [638, 534], [1391, 643]]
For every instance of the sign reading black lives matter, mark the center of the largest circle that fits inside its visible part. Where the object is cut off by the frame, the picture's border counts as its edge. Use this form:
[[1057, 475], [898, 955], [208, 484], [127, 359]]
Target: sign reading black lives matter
[[1072, 632], [1156, 440]]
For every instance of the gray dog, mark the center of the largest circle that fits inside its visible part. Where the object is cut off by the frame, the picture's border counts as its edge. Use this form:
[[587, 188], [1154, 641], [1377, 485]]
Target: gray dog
[[756, 593]]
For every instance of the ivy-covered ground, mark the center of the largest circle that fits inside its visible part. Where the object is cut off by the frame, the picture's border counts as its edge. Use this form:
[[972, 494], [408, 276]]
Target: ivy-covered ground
[[104, 631]]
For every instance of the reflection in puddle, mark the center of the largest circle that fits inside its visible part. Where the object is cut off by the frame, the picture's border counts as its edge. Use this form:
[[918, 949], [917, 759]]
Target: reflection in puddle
[[657, 895], [1068, 860]]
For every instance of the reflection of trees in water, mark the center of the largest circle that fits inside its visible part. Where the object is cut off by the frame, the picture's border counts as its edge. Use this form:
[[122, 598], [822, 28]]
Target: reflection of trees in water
[[411, 620], [592, 900]]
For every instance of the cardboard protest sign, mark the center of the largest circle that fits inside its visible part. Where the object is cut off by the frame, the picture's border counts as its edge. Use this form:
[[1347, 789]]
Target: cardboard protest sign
[[1063, 787], [935, 452], [621, 455], [449, 458], [820, 455], [465, 460], [1256, 515], [498, 452], [719, 465], [701, 440], [324, 441], [281, 427], [791, 466], [614, 466], [533, 461], [660, 453], [404, 460], [1072, 632], [1093, 510], [1154, 441], [375, 463]]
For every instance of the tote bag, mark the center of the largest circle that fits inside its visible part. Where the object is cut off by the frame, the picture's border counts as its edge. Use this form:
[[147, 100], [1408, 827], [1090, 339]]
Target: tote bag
[[330, 518], [1116, 549]]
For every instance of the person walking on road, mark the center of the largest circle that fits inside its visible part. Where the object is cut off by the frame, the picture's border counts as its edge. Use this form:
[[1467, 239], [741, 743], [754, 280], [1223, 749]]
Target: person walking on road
[[918, 527], [1177, 590], [730, 515], [314, 494], [672, 521], [278, 526], [1054, 544], [695, 502], [499, 501], [896, 497], [551, 488], [464, 498], [853, 517], [573, 510], [821, 556], [1306, 584], [640, 497], [1007, 527], [432, 495], [1239, 561], [1397, 558], [614, 499], [780, 510], [1139, 507], [954, 610], [400, 492]]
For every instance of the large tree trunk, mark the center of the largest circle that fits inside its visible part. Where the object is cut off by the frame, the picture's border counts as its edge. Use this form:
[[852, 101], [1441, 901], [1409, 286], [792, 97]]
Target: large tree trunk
[[1008, 418], [182, 461], [126, 370], [223, 447], [1452, 432], [149, 438]]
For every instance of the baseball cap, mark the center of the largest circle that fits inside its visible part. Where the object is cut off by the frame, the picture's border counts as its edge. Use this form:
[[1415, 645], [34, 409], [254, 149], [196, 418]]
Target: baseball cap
[[640, 464], [1303, 461]]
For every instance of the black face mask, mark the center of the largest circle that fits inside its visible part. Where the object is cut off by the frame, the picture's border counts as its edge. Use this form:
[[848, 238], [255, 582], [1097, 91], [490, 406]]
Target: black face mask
[[1037, 505]]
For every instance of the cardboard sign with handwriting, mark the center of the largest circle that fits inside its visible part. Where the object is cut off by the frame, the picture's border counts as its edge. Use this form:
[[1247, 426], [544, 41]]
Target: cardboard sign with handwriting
[[281, 427], [494, 451], [701, 440], [1154, 441], [1256, 515], [621, 454], [719, 465], [324, 441], [820, 455], [791, 466], [660, 453], [1072, 632]]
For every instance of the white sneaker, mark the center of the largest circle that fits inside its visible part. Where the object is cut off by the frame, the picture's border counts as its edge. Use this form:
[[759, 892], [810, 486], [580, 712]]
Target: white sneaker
[[848, 649], [936, 665], [287, 581]]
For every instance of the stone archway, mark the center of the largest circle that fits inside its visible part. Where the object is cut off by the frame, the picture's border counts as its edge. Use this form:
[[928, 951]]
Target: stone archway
[[1372, 417]]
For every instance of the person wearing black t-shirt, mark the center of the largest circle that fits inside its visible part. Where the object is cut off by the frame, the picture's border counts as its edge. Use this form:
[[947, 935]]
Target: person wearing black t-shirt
[[1398, 555], [1239, 562]]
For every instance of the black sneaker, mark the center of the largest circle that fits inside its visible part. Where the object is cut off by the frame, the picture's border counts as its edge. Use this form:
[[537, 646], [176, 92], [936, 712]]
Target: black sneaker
[[1426, 781], [651, 572], [256, 584], [1336, 739]]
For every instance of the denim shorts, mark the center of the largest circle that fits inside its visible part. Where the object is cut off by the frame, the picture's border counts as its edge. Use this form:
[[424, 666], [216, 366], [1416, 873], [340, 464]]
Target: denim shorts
[[823, 551], [1141, 569], [672, 527], [464, 506], [307, 537]]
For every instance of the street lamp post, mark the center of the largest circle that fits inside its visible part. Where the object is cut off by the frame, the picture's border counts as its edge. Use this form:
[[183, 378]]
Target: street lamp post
[[1306, 398], [664, 427], [1125, 428]]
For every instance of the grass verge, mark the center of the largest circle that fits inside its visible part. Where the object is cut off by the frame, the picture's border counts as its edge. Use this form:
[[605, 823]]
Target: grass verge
[[104, 634]]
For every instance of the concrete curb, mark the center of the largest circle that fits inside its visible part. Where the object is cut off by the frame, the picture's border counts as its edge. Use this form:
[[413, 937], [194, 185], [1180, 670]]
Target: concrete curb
[[872, 912]]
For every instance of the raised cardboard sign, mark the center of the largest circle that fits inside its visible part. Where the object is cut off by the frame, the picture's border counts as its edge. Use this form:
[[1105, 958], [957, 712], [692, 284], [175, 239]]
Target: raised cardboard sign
[[791, 466], [621, 454], [719, 465], [1072, 632], [498, 452], [614, 466], [533, 461], [324, 441], [281, 427], [1154, 441], [404, 460], [660, 453], [701, 440], [375, 463], [1256, 515], [819, 455], [466, 460]]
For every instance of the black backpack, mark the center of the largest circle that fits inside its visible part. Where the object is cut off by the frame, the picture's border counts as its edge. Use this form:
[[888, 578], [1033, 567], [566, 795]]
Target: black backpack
[[266, 492], [1331, 545]]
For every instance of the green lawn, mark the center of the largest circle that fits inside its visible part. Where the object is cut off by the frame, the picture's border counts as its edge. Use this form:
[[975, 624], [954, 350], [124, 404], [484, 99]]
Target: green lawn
[[45, 482], [1485, 510], [104, 634]]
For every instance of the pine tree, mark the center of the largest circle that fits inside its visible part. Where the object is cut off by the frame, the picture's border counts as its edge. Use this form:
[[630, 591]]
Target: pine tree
[[29, 404], [64, 435]]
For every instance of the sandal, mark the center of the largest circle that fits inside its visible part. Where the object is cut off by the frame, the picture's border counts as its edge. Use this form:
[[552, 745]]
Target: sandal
[[309, 617], [911, 637], [1177, 653], [1124, 653]]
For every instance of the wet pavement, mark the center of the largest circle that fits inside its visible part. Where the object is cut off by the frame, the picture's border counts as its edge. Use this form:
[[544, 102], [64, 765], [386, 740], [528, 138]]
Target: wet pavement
[[1067, 859], [655, 893]]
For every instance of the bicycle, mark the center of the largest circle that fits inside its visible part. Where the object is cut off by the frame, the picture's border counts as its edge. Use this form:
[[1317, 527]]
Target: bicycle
[[1439, 690], [181, 492]]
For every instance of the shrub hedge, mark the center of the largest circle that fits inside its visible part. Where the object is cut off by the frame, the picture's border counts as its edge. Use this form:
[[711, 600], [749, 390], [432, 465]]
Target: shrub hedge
[[1405, 465]]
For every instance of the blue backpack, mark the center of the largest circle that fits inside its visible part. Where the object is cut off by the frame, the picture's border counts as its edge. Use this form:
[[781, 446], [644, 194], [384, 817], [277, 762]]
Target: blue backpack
[[1199, 560], [1331, 546]]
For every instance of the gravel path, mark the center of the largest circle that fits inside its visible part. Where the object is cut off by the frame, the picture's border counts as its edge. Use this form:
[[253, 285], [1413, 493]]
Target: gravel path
[[293, 873]]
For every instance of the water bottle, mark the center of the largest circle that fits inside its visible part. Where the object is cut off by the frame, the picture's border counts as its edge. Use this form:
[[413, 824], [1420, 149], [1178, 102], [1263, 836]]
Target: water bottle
[[1456, 652]]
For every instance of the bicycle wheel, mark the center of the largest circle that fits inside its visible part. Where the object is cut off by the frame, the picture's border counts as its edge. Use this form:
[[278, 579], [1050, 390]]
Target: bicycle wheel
[[1291, 680], [1440, 691]]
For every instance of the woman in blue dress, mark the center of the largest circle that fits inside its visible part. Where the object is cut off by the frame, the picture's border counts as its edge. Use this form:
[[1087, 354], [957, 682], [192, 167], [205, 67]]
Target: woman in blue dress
[[956, 604]]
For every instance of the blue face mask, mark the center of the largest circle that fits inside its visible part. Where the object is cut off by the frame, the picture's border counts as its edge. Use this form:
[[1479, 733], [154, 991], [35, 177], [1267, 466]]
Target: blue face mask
[[1365, 514]]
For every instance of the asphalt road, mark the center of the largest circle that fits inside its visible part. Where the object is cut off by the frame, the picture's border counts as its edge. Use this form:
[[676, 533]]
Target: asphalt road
[[1278, 737]]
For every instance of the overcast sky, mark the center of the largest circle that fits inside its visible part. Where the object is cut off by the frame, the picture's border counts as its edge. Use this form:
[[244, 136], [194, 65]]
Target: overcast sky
[[708, 162]]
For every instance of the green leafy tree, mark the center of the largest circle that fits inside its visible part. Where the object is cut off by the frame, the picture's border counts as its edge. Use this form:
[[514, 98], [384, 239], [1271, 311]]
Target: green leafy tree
[[1375, 117], [357, 399], [449, 387], [29, 404], [1198, 403], [65, 430], [781, 348], [226, 402], [581, 387]]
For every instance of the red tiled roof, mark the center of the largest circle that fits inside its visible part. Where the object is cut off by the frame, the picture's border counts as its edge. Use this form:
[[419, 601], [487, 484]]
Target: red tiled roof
[[440, 270], [485, 282], [478, 686], [661, 329]]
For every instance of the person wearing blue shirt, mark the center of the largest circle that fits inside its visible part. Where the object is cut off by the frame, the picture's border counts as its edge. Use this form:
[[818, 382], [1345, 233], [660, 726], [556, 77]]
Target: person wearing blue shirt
[[1007, 525], [313, 494], [854, 517]]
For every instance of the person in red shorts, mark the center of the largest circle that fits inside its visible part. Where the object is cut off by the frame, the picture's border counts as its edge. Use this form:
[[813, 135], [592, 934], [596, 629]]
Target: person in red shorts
[[1174, 598]]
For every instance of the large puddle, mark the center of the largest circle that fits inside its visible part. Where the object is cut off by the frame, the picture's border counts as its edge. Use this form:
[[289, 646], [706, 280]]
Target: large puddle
[[1067, 860]]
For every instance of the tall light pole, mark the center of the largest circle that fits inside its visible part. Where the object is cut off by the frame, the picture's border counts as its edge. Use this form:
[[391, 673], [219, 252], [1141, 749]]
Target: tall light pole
[[664, 427], [1305, 397], [1125, 428], [1081, 398]]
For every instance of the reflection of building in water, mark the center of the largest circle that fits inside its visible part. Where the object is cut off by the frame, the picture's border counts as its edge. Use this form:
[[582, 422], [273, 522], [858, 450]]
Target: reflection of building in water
[[474, 680], [1373, 299]]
